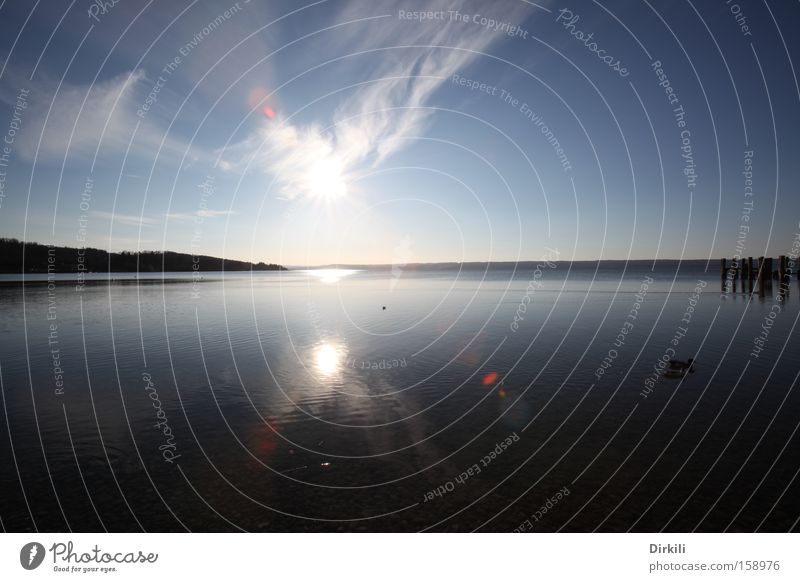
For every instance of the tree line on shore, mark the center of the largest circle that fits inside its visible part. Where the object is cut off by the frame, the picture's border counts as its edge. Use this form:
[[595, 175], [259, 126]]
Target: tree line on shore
[[19, 257]]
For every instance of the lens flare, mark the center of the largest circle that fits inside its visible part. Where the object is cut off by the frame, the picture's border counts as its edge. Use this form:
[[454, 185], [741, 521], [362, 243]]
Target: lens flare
[[258, 100], [489, 379]]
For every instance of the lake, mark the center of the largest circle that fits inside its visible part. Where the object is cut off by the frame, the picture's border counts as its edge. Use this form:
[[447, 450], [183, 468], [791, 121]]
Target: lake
[[526, 397]]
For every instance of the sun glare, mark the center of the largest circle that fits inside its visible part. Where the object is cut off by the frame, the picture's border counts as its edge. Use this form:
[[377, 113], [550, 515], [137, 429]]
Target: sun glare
[[326, 180], [326, 359], [330, 275]]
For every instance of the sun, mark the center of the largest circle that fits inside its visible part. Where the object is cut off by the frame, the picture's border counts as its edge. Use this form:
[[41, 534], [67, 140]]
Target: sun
[[326, 180]]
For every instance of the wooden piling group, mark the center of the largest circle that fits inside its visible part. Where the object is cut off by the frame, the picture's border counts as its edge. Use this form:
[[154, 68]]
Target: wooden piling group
[[758, 276]]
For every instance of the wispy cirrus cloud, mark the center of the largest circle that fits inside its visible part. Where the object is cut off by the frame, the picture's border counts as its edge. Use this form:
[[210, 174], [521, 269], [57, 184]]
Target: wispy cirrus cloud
[[66, 121], [374, 121], [191, 216], [125, 219]]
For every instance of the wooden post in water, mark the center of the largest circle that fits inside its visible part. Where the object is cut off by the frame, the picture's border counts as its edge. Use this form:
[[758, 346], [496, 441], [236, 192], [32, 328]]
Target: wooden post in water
[[723, 271], [768, 273], [783, 280], [744, 274], [771, 271], [740, 271], [760, 275], [750, 272]]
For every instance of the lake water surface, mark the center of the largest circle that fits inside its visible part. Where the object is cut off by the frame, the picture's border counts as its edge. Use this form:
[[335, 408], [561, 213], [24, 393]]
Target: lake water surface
[[399, 399]]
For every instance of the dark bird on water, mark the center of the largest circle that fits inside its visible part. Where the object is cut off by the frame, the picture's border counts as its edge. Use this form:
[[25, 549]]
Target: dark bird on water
[[679, 368], [681, 365]]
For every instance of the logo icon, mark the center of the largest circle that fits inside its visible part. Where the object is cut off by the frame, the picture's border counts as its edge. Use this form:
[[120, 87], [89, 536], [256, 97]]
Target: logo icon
[[31, 555]]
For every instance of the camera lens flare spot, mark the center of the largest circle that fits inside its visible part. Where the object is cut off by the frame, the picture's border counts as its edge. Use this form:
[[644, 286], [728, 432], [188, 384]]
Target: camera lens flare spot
[[489, 379]]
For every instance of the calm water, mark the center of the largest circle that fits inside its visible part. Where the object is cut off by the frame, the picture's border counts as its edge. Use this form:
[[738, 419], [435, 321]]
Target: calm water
[[475, 400]]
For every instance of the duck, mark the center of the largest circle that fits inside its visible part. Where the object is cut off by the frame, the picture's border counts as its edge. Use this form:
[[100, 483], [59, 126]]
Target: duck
[[679, 368], [681, 365]]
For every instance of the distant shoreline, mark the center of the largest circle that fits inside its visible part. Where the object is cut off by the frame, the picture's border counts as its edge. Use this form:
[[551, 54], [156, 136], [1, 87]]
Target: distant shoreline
[[20, 258], [506, 264]]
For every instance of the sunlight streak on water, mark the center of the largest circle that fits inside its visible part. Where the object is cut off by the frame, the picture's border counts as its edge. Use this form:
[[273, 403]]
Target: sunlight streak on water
[[330, 275], [327, 359]]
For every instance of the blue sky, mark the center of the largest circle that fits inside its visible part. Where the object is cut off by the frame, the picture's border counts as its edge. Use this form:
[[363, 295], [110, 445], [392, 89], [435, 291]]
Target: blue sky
[[336, 132]]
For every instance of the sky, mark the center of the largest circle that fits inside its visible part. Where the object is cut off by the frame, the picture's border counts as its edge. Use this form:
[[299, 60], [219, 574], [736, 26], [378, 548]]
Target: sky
[[354, 132]]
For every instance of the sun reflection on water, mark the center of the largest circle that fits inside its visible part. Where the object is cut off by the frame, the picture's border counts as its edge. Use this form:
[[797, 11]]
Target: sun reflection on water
[[330, 275], [327, 358]]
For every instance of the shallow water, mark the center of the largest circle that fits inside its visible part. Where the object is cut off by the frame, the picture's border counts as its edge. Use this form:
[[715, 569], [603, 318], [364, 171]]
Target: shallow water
[[295, 401]]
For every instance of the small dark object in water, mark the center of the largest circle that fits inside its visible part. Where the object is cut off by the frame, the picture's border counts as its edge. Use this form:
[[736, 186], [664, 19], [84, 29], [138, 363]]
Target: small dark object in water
[[688, 365], [384, 308], [679, 368]]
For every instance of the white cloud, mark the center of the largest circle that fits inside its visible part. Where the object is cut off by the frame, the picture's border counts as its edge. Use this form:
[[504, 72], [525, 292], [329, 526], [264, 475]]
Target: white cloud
[[188, 217], [375, 121], [119, 244], [125, 219], [78, 121]]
